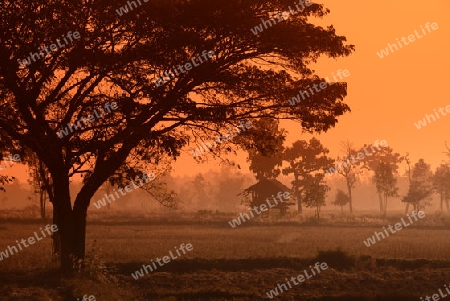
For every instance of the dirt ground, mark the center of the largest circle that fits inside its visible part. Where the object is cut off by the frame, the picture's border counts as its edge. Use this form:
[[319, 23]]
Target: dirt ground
[[245, 283]]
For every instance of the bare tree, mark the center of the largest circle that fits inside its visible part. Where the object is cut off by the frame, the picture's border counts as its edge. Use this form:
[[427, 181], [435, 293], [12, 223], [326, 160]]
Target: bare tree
[[348, 169], [408, 163]]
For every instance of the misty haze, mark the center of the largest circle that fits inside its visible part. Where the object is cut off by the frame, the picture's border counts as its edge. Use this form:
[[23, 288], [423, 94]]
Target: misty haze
[[217, 150]]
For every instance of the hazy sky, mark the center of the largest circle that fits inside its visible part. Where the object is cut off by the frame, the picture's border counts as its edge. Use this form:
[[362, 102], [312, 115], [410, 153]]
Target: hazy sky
[[386, 96]]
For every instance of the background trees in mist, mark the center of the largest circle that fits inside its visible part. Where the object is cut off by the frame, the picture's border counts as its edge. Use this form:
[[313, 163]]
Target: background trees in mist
[[441, 184], [421, 186], [341, 199], [306, 160]]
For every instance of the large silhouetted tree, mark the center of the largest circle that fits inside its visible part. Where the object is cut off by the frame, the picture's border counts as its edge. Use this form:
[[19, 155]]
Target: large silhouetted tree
[[119, 58]]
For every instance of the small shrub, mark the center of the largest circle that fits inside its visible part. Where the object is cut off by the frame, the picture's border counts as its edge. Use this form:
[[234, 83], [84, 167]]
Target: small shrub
[[366, 262], [311, 221], [337, 259], [96, 269]]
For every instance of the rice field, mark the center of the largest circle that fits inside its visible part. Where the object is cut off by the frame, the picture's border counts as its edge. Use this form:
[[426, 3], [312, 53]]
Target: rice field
[[225, 263]]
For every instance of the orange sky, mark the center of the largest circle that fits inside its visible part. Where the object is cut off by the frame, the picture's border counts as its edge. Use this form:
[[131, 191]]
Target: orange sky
[[386, 95]]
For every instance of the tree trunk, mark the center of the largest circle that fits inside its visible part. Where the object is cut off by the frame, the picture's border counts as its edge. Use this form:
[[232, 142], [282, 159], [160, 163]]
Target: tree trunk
[[56, 242], [298, 193], [385, 206], [80, 208], [108, 190], [42, 200], [41, 176], [350, 198], [56, 237], [72, 223], [282, 210], [79, 239], [407, 207], [442, 202], [380, 197], [64, 222]]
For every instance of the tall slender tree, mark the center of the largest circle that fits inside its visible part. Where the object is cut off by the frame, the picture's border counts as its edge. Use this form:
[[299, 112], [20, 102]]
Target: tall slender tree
[[348, 168], [408, 171], [386, 183]]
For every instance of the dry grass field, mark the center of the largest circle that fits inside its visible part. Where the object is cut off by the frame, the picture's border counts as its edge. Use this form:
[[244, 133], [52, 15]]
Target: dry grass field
[[232, 264]]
